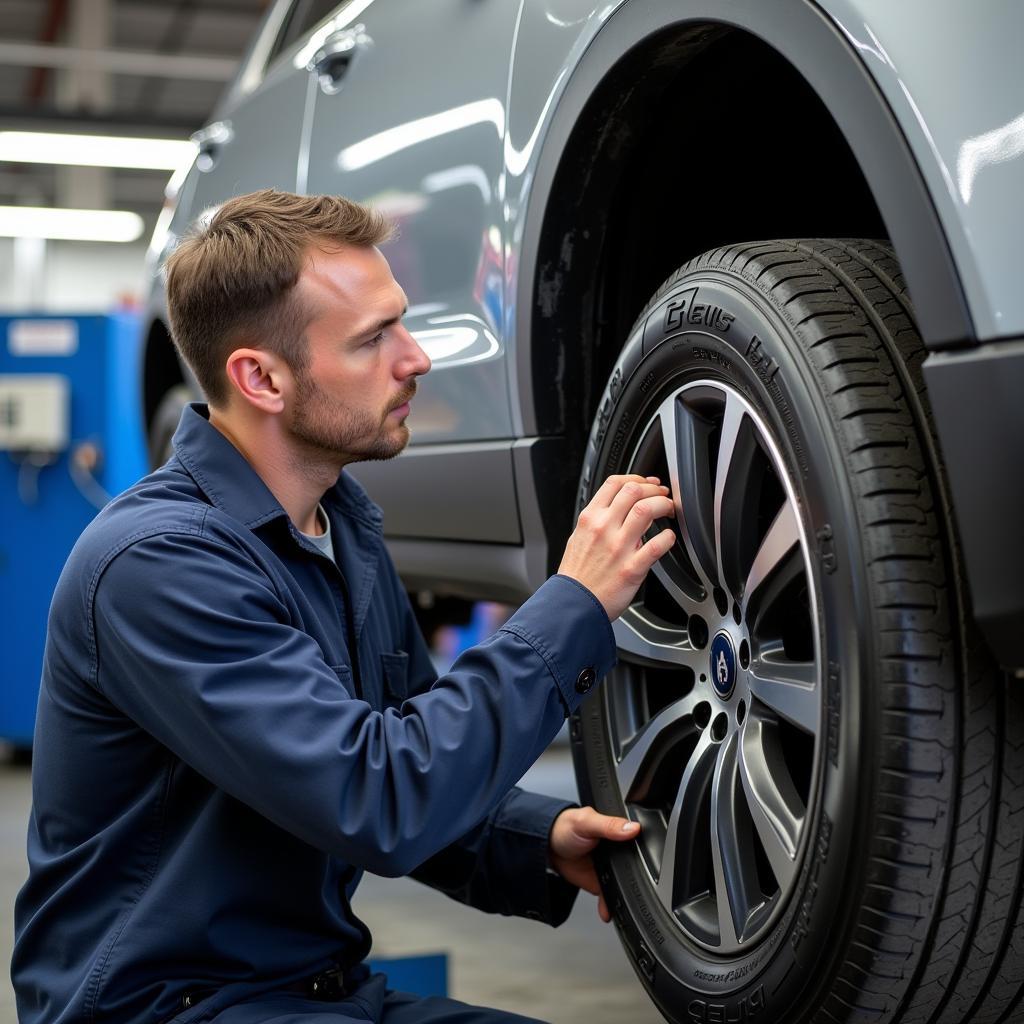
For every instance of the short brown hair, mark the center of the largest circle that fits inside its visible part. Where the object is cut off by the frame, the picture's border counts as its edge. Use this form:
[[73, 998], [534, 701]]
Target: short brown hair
[[232, 279]]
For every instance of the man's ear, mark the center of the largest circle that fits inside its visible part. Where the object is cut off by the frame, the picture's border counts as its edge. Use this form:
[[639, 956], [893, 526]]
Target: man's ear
[[259, 377]]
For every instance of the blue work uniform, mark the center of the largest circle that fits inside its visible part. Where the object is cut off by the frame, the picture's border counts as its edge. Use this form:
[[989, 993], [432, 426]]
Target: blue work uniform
[[231, 728]]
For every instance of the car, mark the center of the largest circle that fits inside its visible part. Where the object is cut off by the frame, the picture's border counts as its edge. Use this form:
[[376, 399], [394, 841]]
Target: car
[[769, 252]]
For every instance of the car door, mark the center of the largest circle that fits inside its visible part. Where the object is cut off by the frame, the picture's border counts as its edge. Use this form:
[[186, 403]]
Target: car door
[[409, 114]]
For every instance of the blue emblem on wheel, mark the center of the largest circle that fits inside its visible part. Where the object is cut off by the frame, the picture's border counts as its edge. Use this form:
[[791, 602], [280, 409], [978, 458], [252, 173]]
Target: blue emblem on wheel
[[723, 665]]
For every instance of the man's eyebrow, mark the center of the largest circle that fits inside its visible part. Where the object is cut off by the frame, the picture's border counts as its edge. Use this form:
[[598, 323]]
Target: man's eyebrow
[[380, 325]]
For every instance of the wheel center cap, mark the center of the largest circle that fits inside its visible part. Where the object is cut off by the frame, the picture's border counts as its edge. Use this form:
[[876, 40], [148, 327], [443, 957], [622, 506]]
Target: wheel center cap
[[723, 665]]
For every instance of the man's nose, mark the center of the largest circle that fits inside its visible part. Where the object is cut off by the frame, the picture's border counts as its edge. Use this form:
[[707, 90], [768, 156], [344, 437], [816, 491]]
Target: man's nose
[[415, 360]]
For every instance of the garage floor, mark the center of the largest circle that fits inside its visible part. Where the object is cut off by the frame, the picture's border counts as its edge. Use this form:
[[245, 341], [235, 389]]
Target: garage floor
[[576, 974]]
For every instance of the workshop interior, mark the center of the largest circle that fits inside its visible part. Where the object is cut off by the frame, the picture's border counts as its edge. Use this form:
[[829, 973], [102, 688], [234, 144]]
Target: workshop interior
[[766, 251]]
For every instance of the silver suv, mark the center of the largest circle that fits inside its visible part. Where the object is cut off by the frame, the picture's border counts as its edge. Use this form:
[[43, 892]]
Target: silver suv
[[768, 250]]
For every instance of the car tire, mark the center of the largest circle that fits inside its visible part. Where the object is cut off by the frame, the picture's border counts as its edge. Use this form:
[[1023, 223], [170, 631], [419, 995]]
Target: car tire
[[827, 767], [165, 422]]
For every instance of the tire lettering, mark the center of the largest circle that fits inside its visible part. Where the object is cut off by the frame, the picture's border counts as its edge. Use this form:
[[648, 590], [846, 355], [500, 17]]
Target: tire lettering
[[834, 696], [826, 549], [682, 308], [711, 356], [675, 311], [584, 491], [643, 910], [763, 364], [803, 919], [767, 369], [736, 974], [615, 450], [604, 413], [747, 1008], [615, 384], [646, 962]]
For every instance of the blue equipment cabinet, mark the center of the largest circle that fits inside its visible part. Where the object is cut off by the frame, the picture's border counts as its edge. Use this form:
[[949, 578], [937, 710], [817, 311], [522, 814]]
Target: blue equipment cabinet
[[70, 435]]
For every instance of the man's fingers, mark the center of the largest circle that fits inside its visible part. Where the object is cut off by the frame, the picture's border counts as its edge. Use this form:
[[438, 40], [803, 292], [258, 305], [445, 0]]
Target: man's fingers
[[633, 496], [640, 517], [657, 547], [611, 487], [592, 825], [620, 829]]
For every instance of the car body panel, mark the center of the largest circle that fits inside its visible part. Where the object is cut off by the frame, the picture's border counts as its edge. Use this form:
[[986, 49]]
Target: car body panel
[[959, 101], [430, 157], [822, 54], [243, 162]]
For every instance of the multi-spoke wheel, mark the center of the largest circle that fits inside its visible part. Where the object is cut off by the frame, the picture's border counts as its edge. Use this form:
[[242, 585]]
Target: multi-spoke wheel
[[715, 718], [788, 716]]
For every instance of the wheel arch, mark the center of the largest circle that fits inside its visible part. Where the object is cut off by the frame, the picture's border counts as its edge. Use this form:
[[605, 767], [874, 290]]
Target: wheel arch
[[656, 113]]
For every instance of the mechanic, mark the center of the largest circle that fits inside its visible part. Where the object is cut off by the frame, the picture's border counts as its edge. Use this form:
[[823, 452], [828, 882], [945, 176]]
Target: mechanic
[[238, 714]]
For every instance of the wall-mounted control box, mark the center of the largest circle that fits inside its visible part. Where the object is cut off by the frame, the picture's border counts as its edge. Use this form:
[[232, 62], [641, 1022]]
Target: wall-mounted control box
[[34, 412]]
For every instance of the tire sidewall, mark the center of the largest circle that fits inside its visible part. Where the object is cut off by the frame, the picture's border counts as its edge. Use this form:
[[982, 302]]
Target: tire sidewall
[[713, 325], [165, 423]]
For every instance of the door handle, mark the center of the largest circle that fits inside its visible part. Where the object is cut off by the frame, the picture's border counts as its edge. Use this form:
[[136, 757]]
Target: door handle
[[332, 60], [210, 140]]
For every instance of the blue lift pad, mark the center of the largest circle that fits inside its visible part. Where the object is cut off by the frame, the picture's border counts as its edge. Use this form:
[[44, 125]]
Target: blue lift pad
[[425, 975]]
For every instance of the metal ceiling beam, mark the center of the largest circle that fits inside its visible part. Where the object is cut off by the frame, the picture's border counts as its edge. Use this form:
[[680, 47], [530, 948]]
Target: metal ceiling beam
[[84, 122], [251, 12], [119, 62]]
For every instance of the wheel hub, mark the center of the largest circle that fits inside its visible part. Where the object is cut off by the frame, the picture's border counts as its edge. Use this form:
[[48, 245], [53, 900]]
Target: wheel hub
[[723, 665]]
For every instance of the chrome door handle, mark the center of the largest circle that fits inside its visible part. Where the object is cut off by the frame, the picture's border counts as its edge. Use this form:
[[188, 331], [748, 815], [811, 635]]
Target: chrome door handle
[[210, 141], [332, 60]]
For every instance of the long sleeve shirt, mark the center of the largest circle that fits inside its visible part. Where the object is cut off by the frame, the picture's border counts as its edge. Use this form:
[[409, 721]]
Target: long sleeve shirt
[[232, 728]]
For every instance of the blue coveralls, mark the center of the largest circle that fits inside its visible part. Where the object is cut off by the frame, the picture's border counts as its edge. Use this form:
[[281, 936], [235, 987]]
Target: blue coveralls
[[230, 731]]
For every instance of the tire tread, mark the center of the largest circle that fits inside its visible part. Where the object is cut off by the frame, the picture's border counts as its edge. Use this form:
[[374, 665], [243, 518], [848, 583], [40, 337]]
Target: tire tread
[[940, 938]]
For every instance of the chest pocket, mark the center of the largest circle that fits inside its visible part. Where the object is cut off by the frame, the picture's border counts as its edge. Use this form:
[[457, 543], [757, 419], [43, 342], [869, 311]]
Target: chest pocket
[[396, 677]]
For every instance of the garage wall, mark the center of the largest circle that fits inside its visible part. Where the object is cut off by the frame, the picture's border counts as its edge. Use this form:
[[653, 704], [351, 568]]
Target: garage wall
[[80, 277]]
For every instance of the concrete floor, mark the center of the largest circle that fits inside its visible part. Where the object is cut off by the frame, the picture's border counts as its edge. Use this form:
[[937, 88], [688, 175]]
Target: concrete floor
[[576, 974]]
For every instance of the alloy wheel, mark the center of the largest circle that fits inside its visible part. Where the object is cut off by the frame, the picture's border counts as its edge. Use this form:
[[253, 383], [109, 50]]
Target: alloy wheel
[[715, 711]]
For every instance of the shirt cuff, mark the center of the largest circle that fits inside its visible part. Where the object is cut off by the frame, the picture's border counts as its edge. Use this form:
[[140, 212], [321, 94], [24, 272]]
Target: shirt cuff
[[534, 890], [569, 628]]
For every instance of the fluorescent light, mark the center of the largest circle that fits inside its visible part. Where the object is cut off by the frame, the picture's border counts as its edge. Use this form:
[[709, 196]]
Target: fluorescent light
[[80, 225], [95, 150]]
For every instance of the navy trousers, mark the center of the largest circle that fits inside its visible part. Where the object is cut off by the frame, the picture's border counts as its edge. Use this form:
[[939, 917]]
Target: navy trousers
[[371, 1001]]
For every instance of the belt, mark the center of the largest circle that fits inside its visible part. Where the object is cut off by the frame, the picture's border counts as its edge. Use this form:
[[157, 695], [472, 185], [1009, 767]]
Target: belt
[[328, 986]]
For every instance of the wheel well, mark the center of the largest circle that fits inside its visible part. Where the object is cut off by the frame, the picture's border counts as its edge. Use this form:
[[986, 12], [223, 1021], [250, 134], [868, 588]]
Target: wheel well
[[702, 136], [161, 369]]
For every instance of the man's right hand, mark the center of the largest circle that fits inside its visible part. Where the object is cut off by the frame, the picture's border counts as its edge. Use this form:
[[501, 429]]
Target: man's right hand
[[606, 552]]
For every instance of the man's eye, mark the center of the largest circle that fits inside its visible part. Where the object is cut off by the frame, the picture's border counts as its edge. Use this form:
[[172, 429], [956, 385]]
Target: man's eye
[[376, 339]]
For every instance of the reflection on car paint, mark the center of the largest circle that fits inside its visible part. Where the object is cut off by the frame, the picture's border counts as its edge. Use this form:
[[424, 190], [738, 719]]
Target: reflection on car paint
[[422, 129]]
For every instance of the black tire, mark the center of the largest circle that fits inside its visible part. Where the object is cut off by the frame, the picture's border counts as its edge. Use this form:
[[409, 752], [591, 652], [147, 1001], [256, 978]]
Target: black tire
[[165, 422], [902, 901]]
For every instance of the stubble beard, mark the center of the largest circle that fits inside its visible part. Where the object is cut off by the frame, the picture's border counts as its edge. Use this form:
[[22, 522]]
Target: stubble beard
[[333, 432]]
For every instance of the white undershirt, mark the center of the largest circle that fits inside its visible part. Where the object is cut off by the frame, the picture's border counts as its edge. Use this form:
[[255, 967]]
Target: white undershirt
[[322, 541]]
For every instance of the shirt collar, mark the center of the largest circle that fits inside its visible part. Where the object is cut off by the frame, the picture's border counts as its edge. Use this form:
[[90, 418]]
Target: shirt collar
[[232, 485]]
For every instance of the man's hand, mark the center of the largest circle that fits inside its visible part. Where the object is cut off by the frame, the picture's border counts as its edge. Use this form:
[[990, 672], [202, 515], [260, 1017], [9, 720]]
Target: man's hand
[[575, 833], [606, 552]]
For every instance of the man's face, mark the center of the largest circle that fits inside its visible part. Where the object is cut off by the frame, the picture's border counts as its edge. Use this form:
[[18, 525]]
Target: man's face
[[351, 398]]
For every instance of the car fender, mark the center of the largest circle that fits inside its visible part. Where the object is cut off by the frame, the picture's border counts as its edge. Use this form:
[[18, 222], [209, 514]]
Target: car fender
[[577, 45]]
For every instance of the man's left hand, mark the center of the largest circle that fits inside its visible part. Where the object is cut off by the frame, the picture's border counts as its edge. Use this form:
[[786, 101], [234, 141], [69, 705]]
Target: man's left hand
[[575, 833]]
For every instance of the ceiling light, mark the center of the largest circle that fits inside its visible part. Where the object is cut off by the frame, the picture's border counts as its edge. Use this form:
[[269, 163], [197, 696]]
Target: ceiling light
[[80, 225], [95, 150]]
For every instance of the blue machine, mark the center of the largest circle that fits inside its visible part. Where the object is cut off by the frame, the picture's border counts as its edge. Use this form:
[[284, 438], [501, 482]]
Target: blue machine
[[425, 975], [70, 436]]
